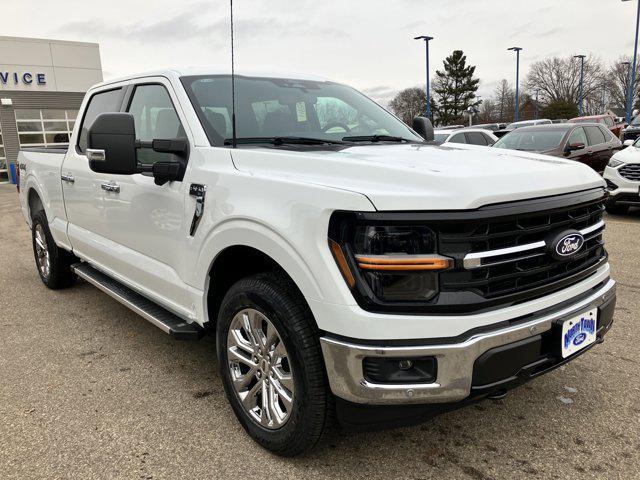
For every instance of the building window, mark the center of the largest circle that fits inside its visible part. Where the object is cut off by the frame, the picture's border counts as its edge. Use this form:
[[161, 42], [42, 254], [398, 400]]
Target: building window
[[3, 161], [45, 128]]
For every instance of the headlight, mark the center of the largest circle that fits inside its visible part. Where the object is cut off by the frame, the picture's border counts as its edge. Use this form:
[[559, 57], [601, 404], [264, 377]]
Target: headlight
[[387, 262], [614, 162]]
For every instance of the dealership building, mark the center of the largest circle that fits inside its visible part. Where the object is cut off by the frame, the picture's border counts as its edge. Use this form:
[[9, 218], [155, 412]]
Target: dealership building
[[42, 83]]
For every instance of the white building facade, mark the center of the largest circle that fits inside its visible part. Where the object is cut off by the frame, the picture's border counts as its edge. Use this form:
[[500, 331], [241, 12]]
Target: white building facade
[[42, 83]]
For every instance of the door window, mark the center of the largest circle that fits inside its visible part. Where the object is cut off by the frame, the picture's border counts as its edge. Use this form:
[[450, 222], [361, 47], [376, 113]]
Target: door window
[[476, 138], [578, 136], [458, 138], [155, 117], [607, 134], [490, 141], [101, 102], [595, 135]]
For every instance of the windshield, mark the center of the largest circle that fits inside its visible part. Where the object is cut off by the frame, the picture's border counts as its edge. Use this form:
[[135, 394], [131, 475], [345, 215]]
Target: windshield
[[636, 121], [281, 107], [532, 140], [441, 137]]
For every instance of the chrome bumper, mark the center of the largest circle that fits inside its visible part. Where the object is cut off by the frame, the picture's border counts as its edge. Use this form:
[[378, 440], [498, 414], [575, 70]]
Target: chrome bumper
[[343, 360]]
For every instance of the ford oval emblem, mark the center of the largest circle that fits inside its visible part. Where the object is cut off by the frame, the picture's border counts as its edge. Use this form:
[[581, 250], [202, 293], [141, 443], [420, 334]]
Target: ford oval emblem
[[581, 337], [569, 244]]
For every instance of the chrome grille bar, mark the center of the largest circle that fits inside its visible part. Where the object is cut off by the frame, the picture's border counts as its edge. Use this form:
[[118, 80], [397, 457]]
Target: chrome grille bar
[[477, 260]]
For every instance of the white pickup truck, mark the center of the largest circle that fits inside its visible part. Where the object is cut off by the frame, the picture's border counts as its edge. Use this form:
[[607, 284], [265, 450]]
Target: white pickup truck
[[349, 268]]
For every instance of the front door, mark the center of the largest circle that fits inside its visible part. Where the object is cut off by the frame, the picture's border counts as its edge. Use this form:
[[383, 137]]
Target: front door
[[147, 221], [582, 155]]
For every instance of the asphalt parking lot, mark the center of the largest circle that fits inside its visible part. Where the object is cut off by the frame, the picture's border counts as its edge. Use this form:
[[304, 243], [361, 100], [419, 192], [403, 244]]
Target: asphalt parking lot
[[90, 390]]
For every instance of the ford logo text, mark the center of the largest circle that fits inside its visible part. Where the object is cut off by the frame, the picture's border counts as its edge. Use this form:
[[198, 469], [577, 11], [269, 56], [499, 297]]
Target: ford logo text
[[569, 244]]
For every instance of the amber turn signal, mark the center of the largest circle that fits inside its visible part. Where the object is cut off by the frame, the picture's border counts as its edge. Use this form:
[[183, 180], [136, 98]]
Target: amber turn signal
[[338, 254], [403, 262]]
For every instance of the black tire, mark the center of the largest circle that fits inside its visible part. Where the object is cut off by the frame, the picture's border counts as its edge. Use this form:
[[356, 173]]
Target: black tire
[[58, 274], [616, 209], [273, 295]]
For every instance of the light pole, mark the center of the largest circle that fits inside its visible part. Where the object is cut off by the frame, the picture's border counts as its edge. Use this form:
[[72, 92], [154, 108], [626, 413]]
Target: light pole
[[631, 93], [626, 92], [426, 42], [581, 57], [517, 50], [536, 115]]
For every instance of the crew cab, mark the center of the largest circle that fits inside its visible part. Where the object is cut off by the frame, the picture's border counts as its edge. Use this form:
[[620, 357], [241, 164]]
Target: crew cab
[[344, 261]]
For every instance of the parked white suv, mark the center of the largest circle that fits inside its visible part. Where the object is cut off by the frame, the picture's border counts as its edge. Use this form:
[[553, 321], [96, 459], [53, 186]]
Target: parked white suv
[[622, 175], [343, 263], [468, 135]]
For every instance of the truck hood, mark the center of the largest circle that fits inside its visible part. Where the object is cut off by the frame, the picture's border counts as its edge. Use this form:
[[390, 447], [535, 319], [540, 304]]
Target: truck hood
[[424, 177]]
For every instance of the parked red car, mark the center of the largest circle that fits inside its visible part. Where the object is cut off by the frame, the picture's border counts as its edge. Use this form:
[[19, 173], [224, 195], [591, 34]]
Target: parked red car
[[606, 120]]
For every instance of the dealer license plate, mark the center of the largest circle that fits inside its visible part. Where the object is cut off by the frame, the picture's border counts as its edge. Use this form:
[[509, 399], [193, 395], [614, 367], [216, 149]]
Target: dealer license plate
[[579, 332]]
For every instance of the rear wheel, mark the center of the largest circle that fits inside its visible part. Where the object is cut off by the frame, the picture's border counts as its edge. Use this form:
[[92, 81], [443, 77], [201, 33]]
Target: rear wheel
[[54, 263], [271, 364]]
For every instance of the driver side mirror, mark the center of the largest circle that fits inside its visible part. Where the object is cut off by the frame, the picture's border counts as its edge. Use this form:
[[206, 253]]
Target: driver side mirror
[[424, 128], [111, 144], [112, 148], [628, 143]]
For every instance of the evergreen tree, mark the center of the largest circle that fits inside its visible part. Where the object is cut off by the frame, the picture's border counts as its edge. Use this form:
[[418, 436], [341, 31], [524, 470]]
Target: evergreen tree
[[455, 88]]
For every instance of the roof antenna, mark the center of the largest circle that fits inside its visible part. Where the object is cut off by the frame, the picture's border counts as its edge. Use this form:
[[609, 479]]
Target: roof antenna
[[234, 138]]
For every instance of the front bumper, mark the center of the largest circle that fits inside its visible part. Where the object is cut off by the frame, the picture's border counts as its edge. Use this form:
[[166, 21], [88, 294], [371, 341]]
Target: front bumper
[[457, 370], [626, 192]]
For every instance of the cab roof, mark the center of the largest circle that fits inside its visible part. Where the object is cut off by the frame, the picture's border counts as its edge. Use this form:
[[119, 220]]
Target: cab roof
[[176, 73]]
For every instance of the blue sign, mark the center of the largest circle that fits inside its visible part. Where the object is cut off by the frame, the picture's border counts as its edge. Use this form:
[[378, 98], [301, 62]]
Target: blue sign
[[26, 78]]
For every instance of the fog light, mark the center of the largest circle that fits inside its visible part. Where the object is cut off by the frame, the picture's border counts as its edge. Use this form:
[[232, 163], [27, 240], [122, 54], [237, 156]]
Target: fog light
[[396, 371], [405, 364]]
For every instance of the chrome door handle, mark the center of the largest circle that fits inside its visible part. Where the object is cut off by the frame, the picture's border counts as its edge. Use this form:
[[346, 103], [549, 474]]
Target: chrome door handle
[[110, 187], [66, 177]]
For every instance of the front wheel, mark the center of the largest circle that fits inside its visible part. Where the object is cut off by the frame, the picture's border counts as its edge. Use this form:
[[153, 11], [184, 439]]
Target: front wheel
[[271, 364]]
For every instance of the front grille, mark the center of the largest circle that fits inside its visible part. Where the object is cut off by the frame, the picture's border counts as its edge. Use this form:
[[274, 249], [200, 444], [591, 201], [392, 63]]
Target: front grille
[[631, 172], [526, 270]]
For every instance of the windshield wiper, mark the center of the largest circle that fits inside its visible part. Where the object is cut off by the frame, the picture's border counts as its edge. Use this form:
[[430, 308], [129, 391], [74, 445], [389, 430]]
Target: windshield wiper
[[375, 138], [284, 140]]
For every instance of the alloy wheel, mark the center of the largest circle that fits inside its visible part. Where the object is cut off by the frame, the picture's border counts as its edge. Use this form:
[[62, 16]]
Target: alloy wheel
[[260, 369], [42, 252]]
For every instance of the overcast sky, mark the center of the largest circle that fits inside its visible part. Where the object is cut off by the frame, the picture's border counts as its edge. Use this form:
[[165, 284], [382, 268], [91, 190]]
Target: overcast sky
[[366, 43]]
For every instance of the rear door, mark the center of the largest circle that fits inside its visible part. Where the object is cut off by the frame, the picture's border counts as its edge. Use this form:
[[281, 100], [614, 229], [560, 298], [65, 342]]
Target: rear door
[[83, 196], [600, 151]]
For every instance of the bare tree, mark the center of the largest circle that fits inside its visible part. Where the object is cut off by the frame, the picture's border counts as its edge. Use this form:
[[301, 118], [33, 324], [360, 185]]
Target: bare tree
[[618, 82], [409, 103], [488, 111], [504, 97], [558, 80]]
